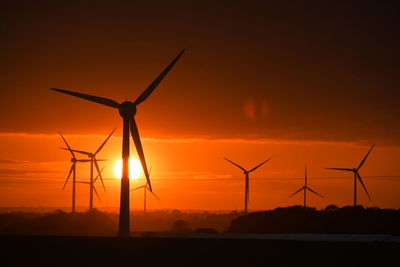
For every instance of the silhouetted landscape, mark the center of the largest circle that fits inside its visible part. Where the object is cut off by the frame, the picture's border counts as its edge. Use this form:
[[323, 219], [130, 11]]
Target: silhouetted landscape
[[295, 219], [95, 222], [46, 237], [332, 220]]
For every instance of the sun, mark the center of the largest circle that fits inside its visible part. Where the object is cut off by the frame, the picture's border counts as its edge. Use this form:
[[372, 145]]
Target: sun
[[135, 168]]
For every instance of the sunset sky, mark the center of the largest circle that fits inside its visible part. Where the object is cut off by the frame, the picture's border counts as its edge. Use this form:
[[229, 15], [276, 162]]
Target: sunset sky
[[302, 82]]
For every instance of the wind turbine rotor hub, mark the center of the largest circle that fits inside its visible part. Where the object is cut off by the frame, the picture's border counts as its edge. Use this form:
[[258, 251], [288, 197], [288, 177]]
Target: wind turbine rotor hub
[[73, 160], [127, 109]]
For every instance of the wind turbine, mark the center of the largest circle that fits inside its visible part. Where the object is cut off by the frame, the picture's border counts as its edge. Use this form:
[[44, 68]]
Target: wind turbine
[[93, 162], [127, 110], [72, 170], [246, 186], [305, 188], [91, 184], [145, 188], [356, 176]]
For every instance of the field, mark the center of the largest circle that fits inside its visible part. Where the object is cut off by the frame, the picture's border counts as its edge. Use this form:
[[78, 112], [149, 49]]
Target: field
[[188, 251]]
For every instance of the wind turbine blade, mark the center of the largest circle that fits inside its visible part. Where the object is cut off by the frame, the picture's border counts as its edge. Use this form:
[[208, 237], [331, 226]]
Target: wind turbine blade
[[146, 93], [97, 194], [154, 195], [296, 192], [139, 187], [77, 151], [312, 191], [259, 165], [139, 148], [69, 174], [83, 160], [80, 182], [96, 99], [237, 165], [102, 145], [97, 176], [363, 185], [366, 156], [99, 173], [69, 148], [340, 169]]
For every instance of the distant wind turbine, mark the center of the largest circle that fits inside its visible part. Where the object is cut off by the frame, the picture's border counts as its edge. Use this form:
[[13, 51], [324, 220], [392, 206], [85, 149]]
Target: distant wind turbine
[[246, 173], [127, 110], [356, 176], [72, 170], [145, 188], [92, 184], [93, 162], [305, 188]]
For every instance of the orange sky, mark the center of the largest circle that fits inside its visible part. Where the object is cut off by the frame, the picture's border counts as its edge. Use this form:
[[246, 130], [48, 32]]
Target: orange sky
[[313, 83], [191, 173]]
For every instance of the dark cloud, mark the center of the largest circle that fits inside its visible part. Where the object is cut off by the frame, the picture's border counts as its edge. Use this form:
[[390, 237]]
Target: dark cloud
[[11, 161], [301, 70], [25, 172]]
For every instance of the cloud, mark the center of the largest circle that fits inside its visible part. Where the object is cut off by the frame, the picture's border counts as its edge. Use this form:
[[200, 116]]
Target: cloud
[[256, 141], [24, 172], [237, 140], [11, 161], [195, 175]]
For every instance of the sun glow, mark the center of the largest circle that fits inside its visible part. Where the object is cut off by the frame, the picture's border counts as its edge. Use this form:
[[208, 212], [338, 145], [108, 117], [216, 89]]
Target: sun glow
[[135, 168]]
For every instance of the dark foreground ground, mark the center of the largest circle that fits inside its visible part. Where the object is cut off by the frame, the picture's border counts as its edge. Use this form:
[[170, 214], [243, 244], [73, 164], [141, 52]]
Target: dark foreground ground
[[140, 251]]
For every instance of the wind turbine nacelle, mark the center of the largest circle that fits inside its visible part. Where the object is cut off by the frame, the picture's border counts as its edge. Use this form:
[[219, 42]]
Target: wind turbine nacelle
[[127, 109]]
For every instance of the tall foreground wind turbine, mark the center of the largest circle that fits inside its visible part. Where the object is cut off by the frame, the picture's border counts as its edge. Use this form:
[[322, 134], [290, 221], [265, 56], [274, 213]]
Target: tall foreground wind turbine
[[72, 170], [305, 188], [93, 162], [246, 184], [127, 110], [356, 176]]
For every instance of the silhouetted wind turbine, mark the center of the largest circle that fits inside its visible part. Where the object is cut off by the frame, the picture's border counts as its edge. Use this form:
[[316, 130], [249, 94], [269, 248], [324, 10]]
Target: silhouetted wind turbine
[[145, 188], [305, 188], [72, 170], [93, 162], [246, 186], [92, 185], [127, 110], [356, 176]]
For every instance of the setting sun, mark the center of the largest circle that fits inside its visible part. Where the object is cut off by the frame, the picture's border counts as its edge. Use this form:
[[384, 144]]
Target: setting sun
[[135, 169]]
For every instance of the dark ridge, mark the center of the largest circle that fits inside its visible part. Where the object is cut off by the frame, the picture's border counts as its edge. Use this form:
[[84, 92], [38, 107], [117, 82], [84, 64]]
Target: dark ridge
[[334, 220]]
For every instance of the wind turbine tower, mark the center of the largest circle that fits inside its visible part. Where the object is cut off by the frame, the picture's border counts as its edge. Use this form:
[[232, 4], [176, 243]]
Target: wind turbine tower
[[145, 189], [72, 171], [127, 110], [246, 179], [305, 188], [356, 177], [93, 163], [92, 185]]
